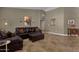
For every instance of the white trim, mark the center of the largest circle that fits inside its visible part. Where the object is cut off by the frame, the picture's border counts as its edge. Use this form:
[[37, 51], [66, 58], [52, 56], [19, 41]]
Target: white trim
[[57, 34], [60, 34], [37, 8], [49, 9]]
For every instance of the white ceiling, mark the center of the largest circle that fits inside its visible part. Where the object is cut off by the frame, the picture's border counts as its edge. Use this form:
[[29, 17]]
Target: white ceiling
[[39, 8]]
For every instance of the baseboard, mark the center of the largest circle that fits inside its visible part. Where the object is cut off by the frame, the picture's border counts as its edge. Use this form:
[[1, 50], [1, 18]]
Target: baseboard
[[57, 34], [60, 34]]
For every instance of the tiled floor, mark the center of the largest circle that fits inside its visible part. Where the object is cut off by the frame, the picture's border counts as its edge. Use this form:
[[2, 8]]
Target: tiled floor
[[52, 43]]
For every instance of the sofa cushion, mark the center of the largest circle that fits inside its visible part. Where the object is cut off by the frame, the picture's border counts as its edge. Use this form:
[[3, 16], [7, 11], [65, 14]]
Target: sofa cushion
[[21, 30], [15, 38], [35, 34]]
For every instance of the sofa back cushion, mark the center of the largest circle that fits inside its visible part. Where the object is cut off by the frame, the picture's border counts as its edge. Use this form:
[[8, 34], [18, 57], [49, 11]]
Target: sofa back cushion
[[27, 29], [20, 30], [2, 35]]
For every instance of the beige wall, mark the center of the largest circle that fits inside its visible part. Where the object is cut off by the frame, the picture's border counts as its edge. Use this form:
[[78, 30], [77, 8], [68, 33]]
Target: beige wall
[[58, 14], [76, 16], [62, 16], [13, 16]]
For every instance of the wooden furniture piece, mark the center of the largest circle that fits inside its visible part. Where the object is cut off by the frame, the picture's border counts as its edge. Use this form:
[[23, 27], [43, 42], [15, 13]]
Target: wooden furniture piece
[[73, 31]]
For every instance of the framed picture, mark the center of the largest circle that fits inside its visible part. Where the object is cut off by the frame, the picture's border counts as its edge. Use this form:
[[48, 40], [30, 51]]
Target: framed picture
[[52, 21], [71, 22]]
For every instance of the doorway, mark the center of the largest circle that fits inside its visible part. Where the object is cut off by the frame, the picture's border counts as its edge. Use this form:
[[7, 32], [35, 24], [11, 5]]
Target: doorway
[[42, 25]]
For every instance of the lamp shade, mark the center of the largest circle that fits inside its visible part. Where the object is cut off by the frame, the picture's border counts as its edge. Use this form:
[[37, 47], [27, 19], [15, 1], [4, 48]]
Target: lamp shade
[[5, 23]]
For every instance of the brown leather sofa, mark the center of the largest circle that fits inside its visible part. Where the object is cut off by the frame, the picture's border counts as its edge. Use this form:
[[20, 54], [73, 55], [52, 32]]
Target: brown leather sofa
[[36, 34], [15, 44], [21, 31], [33, 33]]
